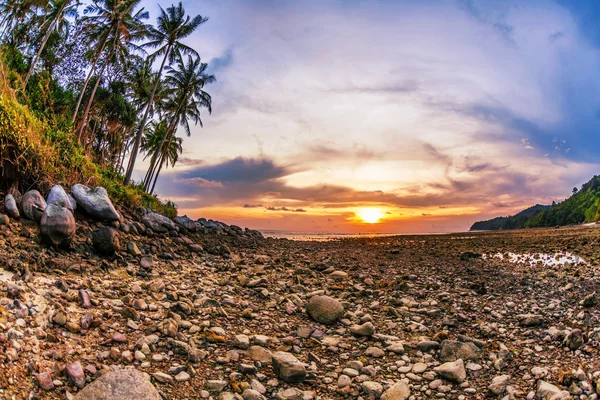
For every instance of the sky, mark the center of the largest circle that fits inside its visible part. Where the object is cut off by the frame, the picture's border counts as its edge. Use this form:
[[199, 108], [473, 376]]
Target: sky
[[432, 114]]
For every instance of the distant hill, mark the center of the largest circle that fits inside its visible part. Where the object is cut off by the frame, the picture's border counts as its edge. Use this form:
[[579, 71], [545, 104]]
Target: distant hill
[[511, 222], [582, 206]]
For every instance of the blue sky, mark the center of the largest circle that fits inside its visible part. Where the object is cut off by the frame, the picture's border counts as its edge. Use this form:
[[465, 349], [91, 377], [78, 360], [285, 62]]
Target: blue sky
[[438, 113]]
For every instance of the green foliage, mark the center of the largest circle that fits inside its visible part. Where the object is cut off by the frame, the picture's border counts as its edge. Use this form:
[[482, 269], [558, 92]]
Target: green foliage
[[583, 206], [515, 222], [38, 145]]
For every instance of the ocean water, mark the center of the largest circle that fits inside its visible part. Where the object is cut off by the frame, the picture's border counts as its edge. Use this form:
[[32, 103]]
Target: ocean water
[[320, 236]]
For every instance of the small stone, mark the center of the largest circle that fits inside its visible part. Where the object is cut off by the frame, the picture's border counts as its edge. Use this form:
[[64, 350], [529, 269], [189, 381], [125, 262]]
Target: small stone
[[324, 309], [372, 388], [419, 368], [344, 380], [241, 342], [119, 337], [546, 390], [453, 371], [146, 262], [215, 386], [290, 394], [498, 385], [530, 320], [162, 377], [451, 350], [76, 374], [396, 348], [182, 377], [400, 391], [84, 299], [574, 339], [59, 318], [132, 249], [251, 394], [288, 368], [375, 352], [45, 381], [366, 329]]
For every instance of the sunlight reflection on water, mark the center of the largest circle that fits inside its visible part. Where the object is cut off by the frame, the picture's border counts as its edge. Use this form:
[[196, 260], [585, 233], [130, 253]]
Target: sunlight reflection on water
[[548, 260]]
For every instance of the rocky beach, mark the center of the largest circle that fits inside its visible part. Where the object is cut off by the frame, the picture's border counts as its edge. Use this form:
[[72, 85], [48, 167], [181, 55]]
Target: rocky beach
[[102, 303]]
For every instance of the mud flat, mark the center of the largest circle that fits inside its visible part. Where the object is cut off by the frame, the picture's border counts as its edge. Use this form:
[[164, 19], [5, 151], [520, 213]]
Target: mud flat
[[230, 316]]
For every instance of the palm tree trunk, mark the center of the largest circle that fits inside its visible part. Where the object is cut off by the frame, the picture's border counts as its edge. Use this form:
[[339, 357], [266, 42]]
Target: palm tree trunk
[[92, 95], [44, 41], [138, 138], [162, 161], [90, 139], [123, 154], [148, 173], [87, 80], [159, 149]]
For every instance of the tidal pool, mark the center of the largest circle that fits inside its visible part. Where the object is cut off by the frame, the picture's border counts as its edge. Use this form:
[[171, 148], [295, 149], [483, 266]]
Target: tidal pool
[[548, 260]]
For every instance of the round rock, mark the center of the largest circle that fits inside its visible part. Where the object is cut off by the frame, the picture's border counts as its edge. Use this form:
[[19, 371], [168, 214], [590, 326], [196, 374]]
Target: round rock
[[105, 241], [33, 205], [59, 197], [324, 309], [10, 206], [57, 225], [95, 202], [119, 385]]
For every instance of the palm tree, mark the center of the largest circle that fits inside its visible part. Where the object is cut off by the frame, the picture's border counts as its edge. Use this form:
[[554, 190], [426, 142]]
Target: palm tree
[[188, 80], [172, 26], [14, 12], [59, 10], [101, 20], [126, 28], [172, 147]]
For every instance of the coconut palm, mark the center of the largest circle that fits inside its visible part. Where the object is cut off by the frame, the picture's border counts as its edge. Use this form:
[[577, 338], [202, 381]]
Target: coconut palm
[[188, 81], [172, 26], [171, 148], [59, 9], [107, 20], [15, 12], [126, 28]]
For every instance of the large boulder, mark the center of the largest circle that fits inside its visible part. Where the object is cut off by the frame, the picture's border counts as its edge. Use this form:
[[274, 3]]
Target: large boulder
[[73, 202], [33, 205], [158, 223], [105, 241], [186, 222], [122, 384], [58, 196], [57, 225], [10, 206], [95, 202], [324, 309]]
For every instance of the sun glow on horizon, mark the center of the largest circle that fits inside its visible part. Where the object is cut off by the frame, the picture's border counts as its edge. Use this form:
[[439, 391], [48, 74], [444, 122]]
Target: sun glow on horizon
[[370, 215]]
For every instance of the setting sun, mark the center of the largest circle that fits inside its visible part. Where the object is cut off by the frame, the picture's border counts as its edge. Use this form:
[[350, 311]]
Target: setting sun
[[370, 215]]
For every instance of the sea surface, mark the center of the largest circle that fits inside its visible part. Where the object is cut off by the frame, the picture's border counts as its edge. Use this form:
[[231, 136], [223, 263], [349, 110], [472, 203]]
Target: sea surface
[[321, 236]]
